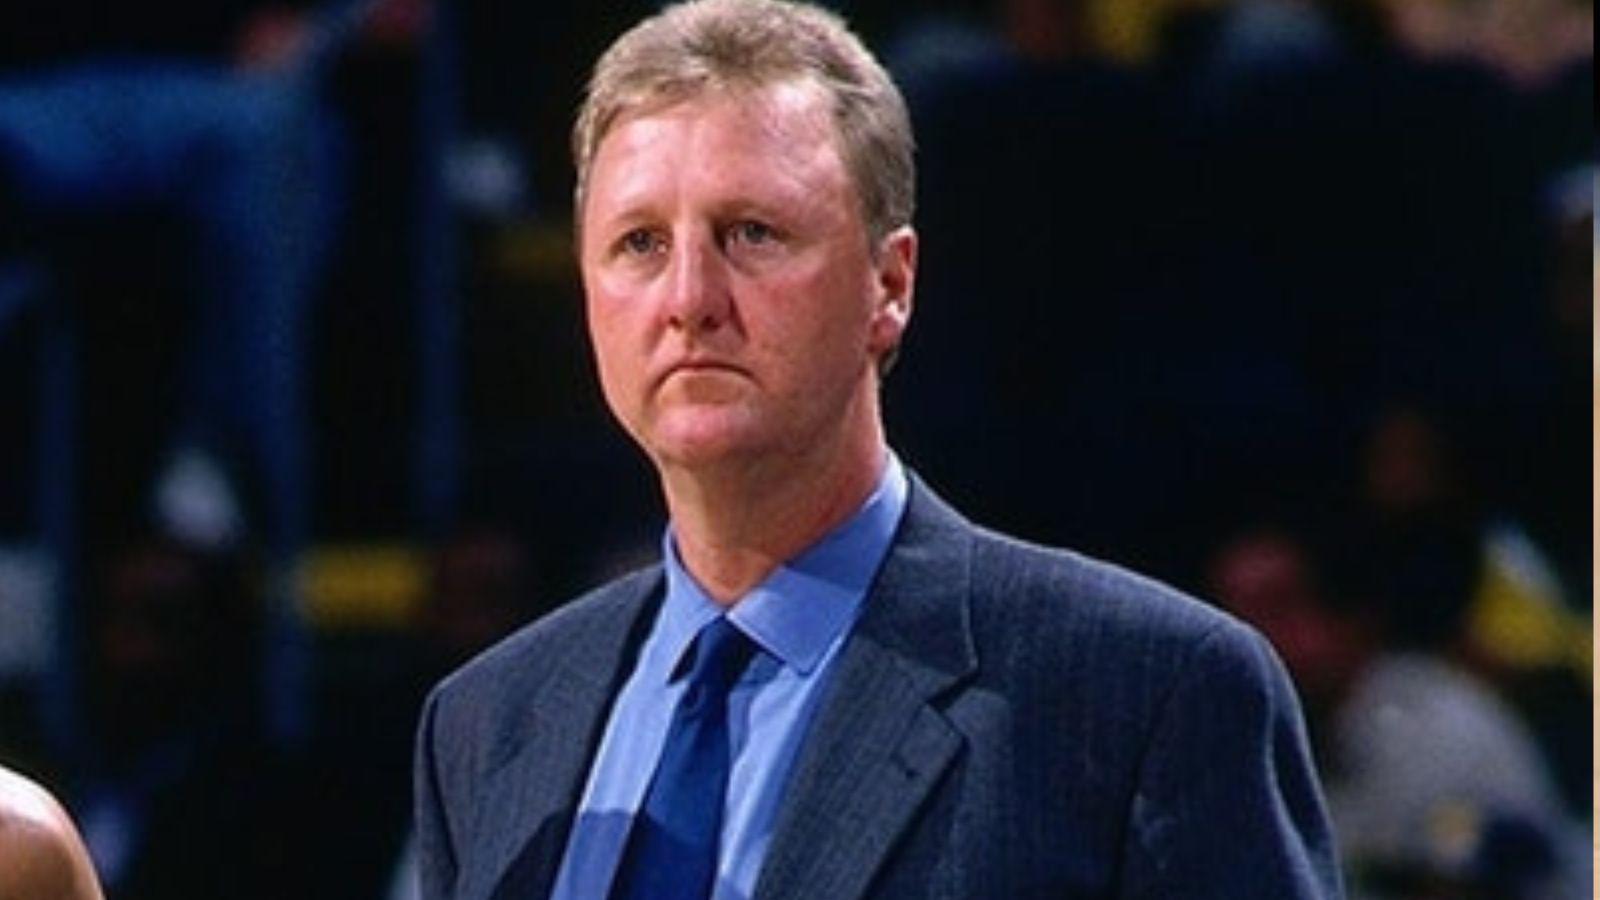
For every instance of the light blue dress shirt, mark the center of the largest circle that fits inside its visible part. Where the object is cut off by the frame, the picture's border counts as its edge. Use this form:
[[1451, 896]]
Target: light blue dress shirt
[[799, 617]]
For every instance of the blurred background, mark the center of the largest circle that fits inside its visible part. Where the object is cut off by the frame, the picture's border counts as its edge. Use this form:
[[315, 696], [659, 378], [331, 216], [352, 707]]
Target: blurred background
[[1288, 302]]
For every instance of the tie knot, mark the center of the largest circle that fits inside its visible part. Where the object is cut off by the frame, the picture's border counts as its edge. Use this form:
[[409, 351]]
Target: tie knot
[[721, 652]]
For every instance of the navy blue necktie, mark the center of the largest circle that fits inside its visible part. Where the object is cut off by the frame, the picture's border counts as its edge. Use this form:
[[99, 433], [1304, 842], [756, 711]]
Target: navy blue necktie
[[672, 850]]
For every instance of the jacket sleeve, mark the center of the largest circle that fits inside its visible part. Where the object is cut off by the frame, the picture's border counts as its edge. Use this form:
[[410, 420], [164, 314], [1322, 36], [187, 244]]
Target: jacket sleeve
[[436, 857], [1227, 803]]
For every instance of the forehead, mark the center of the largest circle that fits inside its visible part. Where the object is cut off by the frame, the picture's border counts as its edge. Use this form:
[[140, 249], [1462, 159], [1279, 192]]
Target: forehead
[[771, 134], [784, 102]]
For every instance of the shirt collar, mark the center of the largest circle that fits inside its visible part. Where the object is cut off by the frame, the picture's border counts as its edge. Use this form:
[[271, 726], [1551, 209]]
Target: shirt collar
[[799, 610]]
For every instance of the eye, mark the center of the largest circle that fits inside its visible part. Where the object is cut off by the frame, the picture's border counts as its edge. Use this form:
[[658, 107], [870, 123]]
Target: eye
[[752, 233], [639, 242]]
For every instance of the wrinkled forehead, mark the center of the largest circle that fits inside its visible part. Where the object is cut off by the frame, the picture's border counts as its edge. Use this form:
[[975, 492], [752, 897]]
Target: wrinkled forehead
[[788, 107], [774, 150], [785, 122]]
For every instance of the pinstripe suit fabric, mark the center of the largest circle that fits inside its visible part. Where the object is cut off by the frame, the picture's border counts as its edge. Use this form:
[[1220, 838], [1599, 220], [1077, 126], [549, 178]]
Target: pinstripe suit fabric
[[1006, 721]]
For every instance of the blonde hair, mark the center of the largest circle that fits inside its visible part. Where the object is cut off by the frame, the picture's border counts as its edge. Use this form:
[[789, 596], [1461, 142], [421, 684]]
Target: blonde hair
[[693, 47]]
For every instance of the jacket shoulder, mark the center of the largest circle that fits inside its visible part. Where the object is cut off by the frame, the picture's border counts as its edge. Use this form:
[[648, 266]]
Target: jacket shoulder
[[1070, 626], [1064, 592], [518, 662]]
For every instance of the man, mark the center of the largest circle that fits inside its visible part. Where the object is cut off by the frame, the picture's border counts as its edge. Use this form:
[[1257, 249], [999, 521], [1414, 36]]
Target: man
[[833, 686], [41, 855]]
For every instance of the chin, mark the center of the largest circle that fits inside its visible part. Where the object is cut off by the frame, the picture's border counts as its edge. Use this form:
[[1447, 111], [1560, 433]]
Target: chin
[[705, 438], [700, 452]]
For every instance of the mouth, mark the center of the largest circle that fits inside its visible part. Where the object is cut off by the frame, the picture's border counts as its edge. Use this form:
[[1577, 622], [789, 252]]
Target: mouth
[[702, 381], [702, 367]]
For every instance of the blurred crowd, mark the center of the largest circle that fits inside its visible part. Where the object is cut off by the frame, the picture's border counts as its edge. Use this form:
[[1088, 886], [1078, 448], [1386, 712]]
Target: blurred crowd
[[1286, 301]]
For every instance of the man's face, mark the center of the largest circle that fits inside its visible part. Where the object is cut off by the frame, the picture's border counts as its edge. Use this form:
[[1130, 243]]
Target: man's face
[[736, 309]]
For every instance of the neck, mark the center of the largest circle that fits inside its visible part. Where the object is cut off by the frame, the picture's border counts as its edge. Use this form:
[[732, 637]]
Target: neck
[[738, 522]]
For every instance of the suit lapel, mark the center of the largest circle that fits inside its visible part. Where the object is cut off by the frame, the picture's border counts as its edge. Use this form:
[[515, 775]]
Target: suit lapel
[[537, 789], [878, 746]]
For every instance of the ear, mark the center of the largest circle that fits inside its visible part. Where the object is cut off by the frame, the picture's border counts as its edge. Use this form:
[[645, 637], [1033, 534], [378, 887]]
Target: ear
[[896, 273]]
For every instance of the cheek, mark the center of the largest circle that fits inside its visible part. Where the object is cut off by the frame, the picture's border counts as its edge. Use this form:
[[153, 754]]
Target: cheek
[[608, 342], [827, 312], [609, 319]]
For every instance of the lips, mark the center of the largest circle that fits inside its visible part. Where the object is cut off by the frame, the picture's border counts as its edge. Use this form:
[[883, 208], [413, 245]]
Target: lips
[[691, 366]]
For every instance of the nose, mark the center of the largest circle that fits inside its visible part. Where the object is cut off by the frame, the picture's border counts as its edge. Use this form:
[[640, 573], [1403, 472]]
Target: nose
[[699, 300]]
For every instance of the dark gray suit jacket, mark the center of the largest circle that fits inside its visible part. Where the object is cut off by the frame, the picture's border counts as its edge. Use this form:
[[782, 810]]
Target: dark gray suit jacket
[[1005, 722]]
